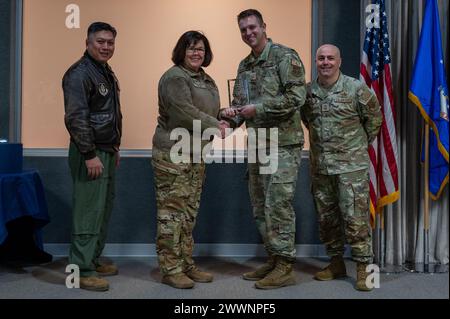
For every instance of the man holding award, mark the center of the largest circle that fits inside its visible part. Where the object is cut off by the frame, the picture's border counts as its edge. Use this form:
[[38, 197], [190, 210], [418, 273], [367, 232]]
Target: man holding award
[[268, 93]]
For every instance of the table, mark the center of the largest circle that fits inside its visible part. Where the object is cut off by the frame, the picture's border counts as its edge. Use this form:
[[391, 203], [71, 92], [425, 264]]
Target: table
[[23, 213]]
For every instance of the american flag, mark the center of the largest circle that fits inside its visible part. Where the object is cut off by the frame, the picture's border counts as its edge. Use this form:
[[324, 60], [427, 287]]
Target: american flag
[[376, 73]]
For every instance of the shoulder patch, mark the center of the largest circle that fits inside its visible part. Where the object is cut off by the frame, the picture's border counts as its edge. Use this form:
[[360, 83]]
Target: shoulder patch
[[364, 95], [294, 62], [296, 66]]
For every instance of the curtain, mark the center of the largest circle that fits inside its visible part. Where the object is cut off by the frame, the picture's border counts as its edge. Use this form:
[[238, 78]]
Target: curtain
[[403, 221]]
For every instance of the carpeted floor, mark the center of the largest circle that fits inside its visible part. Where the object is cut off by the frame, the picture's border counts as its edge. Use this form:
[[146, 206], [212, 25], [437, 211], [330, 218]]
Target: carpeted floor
[[139, 278]]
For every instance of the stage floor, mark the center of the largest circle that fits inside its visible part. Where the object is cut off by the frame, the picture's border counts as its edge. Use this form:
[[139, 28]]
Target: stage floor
[[139, 278]]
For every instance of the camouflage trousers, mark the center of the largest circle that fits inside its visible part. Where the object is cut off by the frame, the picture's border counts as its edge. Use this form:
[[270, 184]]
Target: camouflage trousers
[[272, 196], [342, 204], [178, 189]]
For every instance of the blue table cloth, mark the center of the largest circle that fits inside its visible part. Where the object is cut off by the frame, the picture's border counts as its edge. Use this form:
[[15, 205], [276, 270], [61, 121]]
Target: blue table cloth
[[22, 194]]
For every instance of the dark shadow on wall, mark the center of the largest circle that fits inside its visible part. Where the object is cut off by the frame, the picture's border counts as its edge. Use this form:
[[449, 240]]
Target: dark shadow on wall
[[5, 58], [339, 24]]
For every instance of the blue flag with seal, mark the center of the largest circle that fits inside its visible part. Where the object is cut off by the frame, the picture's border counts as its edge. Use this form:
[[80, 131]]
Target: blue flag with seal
[[429, 92]]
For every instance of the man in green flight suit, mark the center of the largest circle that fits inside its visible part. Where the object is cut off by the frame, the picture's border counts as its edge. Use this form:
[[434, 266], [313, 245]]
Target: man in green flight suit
[[94, 121]]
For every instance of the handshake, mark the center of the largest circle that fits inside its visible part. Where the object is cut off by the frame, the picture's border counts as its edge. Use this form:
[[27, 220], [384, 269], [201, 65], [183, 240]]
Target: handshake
[[246, 111]]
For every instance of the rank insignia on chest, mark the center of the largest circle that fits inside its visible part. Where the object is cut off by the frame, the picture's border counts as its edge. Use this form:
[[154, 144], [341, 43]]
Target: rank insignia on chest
[[199, 84], [102, 89], [325, 107]]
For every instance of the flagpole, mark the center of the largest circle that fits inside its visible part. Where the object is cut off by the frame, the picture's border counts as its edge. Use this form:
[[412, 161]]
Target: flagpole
[[382, 239], [426, 221], [378, 241], [387, 269]]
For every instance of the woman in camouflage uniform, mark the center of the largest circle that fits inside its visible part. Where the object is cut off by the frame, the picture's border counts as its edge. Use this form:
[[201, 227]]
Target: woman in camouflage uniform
[[185, 94]]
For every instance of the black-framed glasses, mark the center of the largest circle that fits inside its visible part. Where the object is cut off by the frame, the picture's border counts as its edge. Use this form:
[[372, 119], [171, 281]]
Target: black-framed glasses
[[194, 50]]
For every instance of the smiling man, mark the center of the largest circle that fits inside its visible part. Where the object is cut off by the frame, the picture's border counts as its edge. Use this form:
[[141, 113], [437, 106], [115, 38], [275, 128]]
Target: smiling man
[[343, 117], [94, 122], [268, 93]]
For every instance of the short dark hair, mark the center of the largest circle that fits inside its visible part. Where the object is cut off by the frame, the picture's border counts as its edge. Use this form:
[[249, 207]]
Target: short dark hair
[[101, 26], [251, 12], [185, 41]]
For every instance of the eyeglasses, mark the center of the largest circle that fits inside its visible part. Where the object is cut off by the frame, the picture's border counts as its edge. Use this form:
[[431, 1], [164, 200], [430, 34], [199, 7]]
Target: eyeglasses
[[194, 50]]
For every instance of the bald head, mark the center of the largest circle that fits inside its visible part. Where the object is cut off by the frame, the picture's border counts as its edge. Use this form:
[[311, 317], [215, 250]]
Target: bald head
[[329, 48], [328, 62]]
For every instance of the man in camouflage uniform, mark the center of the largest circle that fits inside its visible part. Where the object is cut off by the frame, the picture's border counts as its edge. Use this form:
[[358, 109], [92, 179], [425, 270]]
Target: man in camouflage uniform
[[343, 117], [268, 93]]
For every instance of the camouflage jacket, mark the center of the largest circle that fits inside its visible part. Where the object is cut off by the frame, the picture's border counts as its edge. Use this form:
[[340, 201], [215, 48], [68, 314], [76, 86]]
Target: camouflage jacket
[[342, 122], [275, 83], [184, 96]]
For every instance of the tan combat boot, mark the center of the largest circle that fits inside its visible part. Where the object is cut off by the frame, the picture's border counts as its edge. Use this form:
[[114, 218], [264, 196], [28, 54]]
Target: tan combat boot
[[336, 269], [262, 271], [94, 283], [281, 276], [361, 276], [179, 280], [107, 270], [199, 276]]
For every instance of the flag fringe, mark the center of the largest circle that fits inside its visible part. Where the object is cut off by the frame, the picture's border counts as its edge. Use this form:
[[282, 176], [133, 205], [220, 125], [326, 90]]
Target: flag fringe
[[430, 122]]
